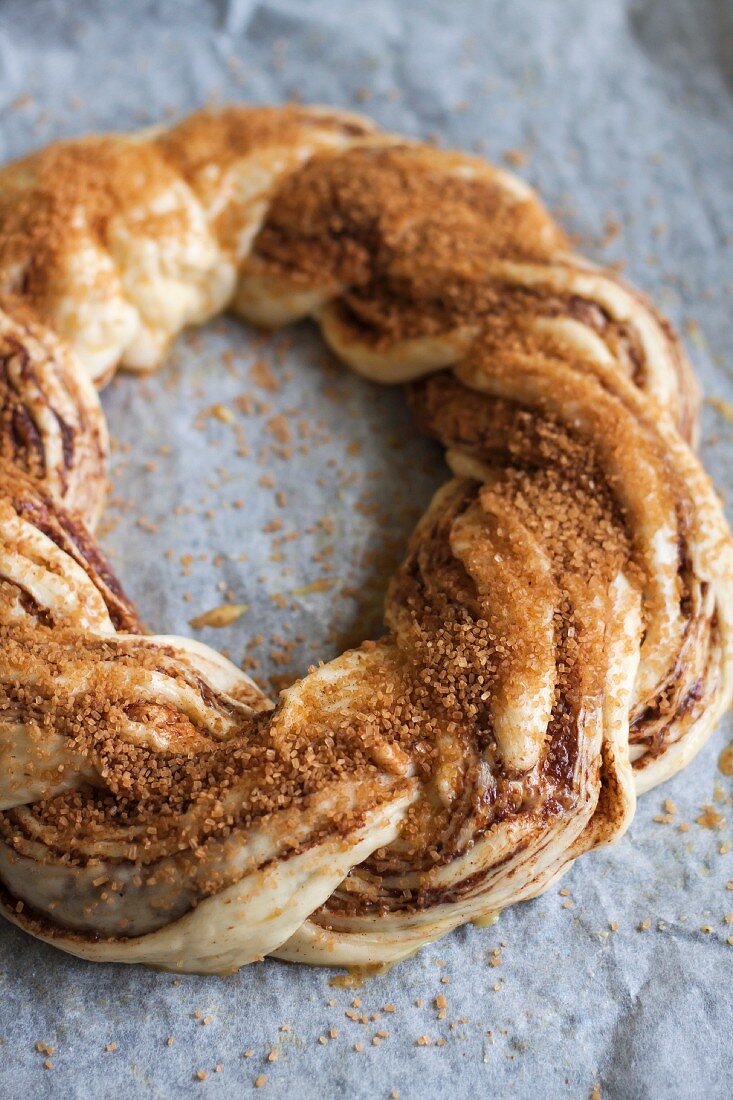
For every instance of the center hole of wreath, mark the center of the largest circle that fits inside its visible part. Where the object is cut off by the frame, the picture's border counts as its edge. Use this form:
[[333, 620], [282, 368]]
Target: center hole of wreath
[[257, 471]]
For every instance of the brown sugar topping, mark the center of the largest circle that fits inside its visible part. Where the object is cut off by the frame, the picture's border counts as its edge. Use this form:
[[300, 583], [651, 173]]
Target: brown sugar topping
[[221, 137], [53, 202], [400, 229]]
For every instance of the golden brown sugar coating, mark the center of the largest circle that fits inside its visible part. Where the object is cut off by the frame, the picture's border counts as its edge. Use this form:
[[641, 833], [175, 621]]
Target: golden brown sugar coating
[[558, 635], [40, 199], [367, 212], [634, 484], [423, 243], [211, 140]]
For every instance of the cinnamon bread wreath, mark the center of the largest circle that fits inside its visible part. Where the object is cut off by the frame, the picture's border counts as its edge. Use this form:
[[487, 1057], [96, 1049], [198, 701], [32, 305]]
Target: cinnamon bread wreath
[[559, 633]]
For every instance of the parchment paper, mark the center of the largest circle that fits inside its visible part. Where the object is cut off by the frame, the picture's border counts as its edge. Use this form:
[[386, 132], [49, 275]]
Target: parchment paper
[[621, 113]]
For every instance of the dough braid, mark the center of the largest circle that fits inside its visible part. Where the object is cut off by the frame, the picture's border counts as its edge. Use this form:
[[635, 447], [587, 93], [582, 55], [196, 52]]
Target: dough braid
[[559, 633]]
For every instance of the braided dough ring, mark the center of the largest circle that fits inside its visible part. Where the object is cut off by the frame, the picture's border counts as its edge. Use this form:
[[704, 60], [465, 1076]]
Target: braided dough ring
[[559, 633]]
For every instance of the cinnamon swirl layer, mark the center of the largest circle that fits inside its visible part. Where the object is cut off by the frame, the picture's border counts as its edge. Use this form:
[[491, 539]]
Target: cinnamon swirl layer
[[51, 422]]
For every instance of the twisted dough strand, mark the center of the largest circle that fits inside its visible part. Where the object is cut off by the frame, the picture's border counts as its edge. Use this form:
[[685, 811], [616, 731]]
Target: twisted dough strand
[[559, 633]]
